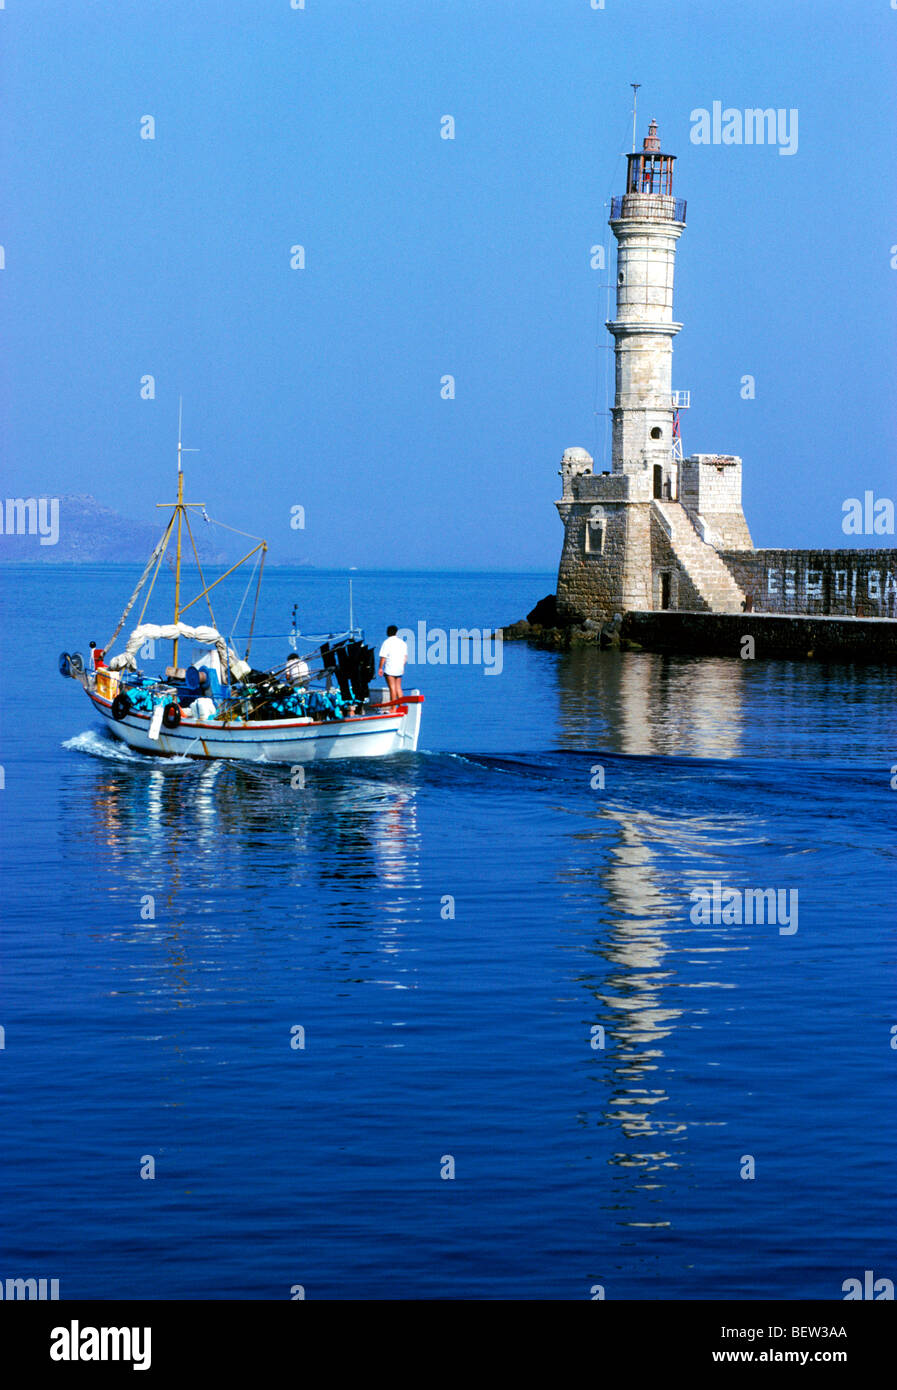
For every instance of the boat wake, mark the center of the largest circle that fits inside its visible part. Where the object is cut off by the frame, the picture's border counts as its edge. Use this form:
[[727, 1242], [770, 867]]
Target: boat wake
[[99, 745]]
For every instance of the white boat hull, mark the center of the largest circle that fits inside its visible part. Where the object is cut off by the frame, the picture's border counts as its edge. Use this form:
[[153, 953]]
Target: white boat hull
[[279, 741]]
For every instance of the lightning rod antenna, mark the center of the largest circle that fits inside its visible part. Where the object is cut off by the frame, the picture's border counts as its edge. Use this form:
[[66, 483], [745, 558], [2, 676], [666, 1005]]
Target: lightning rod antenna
[[635, 86]]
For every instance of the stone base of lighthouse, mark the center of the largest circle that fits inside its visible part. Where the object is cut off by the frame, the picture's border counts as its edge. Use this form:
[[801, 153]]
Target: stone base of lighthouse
[[651, 540], [689, 549]]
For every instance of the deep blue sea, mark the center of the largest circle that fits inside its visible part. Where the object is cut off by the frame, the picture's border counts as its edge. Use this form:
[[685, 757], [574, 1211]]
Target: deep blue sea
[[490, 949]]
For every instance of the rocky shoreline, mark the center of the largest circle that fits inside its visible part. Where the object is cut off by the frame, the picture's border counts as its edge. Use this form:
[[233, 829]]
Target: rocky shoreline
[[555, 627], [778, 636]]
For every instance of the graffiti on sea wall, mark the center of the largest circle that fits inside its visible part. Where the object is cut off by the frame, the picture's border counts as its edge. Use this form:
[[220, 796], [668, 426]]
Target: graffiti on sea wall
[[847, 583]]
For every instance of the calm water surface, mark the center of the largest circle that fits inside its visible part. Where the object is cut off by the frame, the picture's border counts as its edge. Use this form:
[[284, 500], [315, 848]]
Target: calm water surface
[[456, 932]]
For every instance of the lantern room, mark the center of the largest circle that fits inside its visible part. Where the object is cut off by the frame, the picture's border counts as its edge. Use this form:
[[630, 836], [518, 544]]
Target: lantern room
[[650, 171]]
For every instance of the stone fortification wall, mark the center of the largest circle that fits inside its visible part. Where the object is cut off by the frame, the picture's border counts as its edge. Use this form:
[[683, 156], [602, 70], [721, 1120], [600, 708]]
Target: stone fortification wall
[[710, 491], [852, 583], [597, 555]]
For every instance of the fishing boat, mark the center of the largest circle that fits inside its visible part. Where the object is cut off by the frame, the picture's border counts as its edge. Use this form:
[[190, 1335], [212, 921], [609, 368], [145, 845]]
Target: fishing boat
[[318, 705]]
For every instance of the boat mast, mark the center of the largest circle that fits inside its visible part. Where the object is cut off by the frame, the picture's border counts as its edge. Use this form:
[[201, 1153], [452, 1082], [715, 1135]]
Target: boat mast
[[180, 504], [179, 511]]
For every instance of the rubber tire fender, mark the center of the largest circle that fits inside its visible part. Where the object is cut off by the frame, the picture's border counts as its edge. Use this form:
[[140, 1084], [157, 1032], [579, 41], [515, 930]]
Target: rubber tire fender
[[171, 715], [121, 705]]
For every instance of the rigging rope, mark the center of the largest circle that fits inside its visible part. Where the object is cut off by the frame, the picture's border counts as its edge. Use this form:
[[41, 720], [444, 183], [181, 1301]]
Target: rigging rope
[[156, 575], [157, 554], [212, 522], [255, 606], [301, 636], [245, 594], [202, 578]]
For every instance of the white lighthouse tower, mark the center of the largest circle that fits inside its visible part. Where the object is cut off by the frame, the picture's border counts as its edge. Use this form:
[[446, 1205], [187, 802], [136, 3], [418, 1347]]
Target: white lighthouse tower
[[647, 221], [650, 531]]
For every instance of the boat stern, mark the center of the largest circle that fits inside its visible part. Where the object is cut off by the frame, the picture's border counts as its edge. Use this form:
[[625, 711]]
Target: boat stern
[[410, 726]]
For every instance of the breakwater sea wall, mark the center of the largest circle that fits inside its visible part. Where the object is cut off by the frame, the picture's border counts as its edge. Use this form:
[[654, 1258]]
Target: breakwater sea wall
[[844, 583], [768, 634]]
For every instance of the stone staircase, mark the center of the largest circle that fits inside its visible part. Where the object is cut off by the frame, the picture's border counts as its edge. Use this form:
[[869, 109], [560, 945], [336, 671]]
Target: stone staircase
[[712, 579]]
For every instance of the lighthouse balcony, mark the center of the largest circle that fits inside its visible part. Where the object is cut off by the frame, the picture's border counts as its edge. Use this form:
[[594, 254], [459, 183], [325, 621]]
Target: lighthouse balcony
[[650, 207]]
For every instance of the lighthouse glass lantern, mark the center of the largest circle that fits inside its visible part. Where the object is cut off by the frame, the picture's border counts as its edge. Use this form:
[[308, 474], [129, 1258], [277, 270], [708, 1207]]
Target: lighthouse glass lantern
[[650, 171]]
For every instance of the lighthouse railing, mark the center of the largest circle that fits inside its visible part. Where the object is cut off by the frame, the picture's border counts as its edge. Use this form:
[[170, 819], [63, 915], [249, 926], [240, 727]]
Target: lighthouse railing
[[663, 212]]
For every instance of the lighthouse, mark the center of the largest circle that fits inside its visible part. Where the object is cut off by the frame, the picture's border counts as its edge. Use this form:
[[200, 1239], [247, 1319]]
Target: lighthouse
[[647, 221], [647, 532]]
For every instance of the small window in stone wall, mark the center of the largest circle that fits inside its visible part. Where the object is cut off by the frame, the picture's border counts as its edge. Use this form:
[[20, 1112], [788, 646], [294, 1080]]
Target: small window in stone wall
[[657, 432], [593, 538]]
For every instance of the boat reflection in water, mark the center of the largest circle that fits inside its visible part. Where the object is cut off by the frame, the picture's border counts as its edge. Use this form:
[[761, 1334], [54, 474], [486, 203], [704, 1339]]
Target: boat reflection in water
[[230, 853]]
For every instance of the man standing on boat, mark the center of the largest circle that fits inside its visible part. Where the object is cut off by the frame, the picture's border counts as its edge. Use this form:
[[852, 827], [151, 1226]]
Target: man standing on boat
[[393, 656], [296, 670]]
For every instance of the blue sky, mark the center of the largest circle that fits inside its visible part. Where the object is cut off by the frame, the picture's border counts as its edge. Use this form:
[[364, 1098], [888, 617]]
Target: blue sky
[[425, 257]]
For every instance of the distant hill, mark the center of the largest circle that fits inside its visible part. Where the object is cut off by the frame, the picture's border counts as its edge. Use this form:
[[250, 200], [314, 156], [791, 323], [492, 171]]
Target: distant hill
[[89, 533]]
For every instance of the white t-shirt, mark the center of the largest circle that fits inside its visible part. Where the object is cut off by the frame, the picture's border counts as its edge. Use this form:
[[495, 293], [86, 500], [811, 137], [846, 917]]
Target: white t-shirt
[[296, 670], [394, 654]]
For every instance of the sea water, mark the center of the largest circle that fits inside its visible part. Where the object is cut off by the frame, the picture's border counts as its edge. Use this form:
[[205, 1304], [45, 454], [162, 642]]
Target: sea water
[[452, 1024]]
